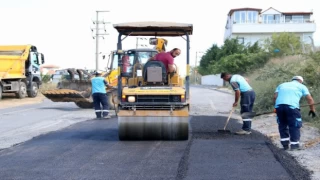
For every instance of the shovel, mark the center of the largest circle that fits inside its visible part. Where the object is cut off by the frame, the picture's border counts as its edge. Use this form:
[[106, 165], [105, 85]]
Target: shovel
[[114, 105], [250, 115], [224, 129]]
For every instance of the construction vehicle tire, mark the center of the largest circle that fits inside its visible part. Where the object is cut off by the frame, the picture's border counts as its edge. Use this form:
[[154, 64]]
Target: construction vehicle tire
[[84, 105], [22, 93], [34, 91], [153, 125]]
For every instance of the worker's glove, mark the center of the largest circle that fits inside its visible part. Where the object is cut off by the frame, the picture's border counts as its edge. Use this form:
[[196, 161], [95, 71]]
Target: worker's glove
[[312, 113]]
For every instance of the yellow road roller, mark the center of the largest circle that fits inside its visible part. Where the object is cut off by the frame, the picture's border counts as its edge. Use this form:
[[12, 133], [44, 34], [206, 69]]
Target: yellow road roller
[[154, 105]]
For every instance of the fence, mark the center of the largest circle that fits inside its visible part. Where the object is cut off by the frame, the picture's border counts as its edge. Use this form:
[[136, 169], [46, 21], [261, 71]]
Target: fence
[[213, 79]]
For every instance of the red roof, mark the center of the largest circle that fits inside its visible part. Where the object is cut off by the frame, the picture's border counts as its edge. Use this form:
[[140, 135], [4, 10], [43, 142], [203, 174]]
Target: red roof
[[49, 66], [243, 9], [297, 13]]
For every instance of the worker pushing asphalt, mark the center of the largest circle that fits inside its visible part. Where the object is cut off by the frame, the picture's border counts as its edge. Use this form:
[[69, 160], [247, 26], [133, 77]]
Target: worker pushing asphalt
[[246, 94]]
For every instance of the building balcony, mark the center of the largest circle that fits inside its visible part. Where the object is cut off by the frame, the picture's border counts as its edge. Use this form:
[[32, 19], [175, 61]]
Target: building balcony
[[274, 26]]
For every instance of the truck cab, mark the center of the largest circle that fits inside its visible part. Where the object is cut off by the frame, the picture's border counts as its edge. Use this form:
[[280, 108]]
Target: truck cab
[[32, 68]]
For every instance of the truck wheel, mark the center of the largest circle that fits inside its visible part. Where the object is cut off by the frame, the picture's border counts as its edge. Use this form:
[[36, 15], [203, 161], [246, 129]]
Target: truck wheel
[[34, 90], [0, 92], [22, 90], [84, 105]]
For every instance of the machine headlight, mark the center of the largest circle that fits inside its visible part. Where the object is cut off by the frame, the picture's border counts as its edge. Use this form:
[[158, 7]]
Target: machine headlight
[[131, 99]]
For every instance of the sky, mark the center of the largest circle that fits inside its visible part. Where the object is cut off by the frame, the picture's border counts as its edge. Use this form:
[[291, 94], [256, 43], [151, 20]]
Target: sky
[[61, 29]]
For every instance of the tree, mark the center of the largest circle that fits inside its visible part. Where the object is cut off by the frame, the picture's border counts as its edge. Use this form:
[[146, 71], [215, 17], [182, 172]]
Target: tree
[[45, 77], [207, 59], [231, 46], [285, 43]]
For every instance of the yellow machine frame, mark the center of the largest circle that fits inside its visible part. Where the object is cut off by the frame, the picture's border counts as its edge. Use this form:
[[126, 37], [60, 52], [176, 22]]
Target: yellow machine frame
[[147, 111]]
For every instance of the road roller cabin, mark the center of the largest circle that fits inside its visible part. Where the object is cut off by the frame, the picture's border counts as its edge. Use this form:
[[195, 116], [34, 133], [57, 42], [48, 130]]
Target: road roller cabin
[[154, 105]]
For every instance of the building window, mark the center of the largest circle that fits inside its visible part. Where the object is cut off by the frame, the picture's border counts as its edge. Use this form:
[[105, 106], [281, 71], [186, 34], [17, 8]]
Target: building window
[[271, 18], [277, 18], [252, 16], [243, 16], [240, 40], [236, 17], [239, 17], [306, 18], [288, 18], [297, 19]]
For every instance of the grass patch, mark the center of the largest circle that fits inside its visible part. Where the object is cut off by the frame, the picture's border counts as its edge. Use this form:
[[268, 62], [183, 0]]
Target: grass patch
[[47, 86], [279, 70]]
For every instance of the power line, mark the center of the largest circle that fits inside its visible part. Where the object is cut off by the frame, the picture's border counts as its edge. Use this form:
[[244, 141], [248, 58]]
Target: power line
[[97, 35], [140, 44]]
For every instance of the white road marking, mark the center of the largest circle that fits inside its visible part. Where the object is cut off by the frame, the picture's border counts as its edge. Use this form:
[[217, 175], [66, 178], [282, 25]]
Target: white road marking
[[22, 110], [212, 105]]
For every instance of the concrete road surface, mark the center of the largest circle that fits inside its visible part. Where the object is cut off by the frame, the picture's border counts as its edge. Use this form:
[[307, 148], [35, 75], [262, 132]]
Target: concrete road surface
[[82, 148]]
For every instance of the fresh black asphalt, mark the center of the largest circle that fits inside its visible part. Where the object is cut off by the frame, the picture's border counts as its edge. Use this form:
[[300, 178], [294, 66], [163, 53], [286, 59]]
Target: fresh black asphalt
[[91, 150]]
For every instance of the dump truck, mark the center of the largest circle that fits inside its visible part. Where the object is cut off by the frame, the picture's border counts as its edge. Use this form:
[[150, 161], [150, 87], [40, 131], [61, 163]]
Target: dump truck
[[155, 104], [20, 70], [77, 86]]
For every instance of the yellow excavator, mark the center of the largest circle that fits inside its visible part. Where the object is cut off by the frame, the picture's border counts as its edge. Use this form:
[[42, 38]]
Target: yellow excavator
[[155, 104], [76, 85]]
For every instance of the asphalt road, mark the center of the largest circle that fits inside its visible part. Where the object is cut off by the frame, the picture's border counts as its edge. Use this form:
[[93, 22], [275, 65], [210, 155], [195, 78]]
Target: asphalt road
[[90, 149], [18, 124]]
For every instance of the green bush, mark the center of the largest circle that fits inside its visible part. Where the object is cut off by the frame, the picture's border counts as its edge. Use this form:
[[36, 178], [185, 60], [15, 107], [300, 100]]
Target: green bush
[[235, 57], [264, 73], [45, 78], [241, 63], [288, 43], [265, 80]]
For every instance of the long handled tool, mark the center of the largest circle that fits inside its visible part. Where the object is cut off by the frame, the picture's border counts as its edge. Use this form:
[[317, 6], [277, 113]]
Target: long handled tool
[[250, 115], [224, 129], [114, 105]]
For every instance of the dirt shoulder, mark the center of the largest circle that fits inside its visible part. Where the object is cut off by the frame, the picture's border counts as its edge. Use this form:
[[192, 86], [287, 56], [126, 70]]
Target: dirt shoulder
[[9, 100]]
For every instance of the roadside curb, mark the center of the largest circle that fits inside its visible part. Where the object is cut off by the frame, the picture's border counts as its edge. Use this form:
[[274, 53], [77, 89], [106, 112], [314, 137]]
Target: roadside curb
[[223, 91]]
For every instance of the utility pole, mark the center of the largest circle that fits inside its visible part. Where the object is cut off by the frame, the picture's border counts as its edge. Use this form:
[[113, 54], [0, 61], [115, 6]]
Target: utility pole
[[195, 67], [97, 35], [312, 44]]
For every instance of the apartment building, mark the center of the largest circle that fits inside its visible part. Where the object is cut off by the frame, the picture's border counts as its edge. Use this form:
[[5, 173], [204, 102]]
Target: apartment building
[[252, 24]]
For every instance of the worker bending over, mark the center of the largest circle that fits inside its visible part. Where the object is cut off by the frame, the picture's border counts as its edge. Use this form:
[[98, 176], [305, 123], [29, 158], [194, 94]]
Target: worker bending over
[[286, 99], [242, 89], [99, 96]]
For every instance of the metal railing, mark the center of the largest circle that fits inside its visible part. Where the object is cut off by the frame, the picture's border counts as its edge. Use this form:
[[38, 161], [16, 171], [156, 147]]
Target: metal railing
[[297, 21]]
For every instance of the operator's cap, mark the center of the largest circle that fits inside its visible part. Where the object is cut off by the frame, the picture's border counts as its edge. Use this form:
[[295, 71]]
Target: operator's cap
[[297, 78]]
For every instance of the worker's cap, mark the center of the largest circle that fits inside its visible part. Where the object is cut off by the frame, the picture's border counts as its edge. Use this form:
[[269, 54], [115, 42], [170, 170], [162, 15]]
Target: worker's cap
[[99, 72], [297, 78]]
